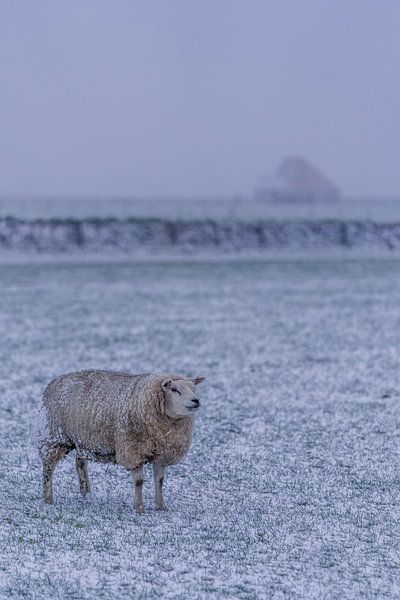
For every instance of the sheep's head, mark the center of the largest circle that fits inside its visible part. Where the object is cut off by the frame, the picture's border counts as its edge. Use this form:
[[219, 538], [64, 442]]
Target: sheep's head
[[180, 396]]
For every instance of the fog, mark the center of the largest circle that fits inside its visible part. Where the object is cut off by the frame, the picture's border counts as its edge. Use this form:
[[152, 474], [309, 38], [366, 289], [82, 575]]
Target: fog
[[197, 99]]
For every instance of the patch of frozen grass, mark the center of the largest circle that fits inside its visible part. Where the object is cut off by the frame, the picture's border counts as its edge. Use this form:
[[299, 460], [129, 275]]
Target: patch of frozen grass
[[291, 488]]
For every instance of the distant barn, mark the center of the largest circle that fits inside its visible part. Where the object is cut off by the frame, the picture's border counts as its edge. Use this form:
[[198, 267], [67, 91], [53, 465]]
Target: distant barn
[[297, 180]]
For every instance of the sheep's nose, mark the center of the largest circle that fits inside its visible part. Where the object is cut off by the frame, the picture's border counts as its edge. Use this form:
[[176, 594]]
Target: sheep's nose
[[196, 401]]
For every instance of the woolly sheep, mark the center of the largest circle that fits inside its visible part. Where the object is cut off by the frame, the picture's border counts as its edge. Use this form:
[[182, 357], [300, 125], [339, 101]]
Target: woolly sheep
[[120, 418]]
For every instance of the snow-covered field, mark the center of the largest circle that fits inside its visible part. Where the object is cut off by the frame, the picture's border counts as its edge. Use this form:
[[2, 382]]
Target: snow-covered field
[[184, 227], [291, 488], [191, 209]]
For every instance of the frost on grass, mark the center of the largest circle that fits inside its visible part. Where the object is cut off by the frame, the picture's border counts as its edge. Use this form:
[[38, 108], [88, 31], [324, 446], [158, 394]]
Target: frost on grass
[[177, 237], [291, 487]]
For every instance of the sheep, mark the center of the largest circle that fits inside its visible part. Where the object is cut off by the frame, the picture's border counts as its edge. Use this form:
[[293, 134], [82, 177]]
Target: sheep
[[120, 418]]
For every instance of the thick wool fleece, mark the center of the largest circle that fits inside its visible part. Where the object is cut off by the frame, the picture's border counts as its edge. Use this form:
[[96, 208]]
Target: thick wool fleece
[[113, 417]]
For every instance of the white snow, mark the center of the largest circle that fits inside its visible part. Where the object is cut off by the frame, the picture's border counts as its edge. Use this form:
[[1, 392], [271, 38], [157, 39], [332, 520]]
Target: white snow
[[187, 227], [140, 238], [291, 488], [242, 209]]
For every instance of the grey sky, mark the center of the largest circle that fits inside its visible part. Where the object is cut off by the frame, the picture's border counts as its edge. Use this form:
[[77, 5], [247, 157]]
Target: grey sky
[[196, 97]]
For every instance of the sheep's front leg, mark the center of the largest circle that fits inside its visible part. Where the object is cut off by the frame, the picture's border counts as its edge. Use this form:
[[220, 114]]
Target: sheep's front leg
[[81, 468], [138, 479], [158, 473]]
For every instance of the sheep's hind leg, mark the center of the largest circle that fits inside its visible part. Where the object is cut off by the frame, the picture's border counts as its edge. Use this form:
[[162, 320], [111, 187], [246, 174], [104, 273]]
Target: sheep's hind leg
[[82, 470], [138, 479], [158, 473], [50, 459]]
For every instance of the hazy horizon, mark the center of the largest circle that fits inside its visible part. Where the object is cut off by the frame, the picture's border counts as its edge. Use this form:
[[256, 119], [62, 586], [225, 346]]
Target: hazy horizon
[[199, 99]]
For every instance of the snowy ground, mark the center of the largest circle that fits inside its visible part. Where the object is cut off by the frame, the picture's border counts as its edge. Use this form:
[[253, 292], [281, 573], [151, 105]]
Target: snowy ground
[[292, 486], [216, 209]]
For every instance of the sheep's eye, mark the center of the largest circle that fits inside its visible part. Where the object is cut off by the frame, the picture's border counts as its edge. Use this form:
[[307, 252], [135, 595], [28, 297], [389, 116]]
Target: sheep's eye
[[175, 390]]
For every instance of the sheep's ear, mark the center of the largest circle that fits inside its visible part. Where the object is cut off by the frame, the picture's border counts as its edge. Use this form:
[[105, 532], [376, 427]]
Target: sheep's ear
[[166, 384], [197, 380]]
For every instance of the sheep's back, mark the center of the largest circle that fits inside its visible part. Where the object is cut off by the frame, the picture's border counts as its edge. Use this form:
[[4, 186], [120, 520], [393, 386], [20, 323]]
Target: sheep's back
[[91, 406]]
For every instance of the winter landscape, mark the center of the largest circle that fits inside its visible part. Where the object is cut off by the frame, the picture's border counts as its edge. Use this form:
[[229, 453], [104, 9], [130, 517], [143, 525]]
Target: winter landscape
[[291, 487], [208, 189]]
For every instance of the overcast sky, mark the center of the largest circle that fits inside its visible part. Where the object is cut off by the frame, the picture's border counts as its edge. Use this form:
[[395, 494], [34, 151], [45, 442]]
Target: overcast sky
[[196, 97]]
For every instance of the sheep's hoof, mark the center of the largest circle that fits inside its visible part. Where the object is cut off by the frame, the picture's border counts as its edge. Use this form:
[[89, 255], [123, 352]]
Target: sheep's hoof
[[162, 508], [139, 509], [48, 500]]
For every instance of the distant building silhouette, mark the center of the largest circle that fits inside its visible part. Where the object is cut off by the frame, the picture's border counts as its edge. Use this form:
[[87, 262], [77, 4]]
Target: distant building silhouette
[[297, 180]]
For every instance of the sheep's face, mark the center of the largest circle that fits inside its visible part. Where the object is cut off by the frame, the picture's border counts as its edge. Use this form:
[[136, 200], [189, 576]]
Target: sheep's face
[[180, 397]]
